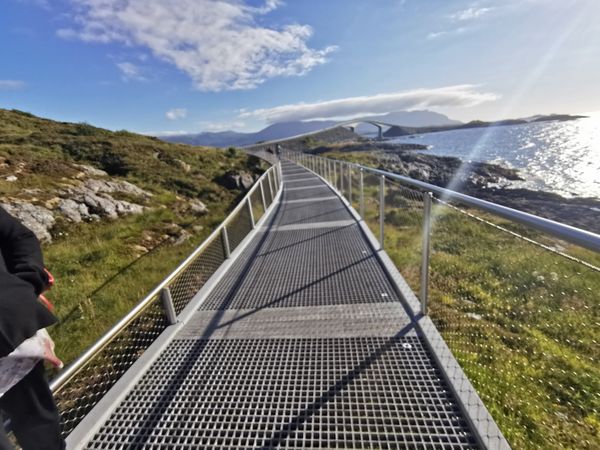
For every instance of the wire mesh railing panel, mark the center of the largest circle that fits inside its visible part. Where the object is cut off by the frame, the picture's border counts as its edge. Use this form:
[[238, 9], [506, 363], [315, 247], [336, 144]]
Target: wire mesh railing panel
[[353, 185], [187, 284], [267, 188], [238, 227], [371, 192], [82, 392], [403, 236], [258, 208], [520, 312]]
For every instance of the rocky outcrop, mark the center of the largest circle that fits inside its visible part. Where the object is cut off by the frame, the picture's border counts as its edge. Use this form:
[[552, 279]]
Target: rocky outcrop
[[108, 187], [91, 171], [198, 208], [92, 200], [183, 165], [37, 218], [237, 180]]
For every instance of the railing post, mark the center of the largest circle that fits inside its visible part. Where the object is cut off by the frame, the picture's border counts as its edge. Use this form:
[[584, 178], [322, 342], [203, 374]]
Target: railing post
[[381, 208], [342, 178], [168, 306], [350, 184], [251, 213], [262, 194], [362, 193], [225, 237], [427, 197]]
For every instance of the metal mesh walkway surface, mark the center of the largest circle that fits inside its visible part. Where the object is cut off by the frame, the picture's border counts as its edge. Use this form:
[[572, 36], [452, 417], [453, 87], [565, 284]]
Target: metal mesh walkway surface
[[303, 343]]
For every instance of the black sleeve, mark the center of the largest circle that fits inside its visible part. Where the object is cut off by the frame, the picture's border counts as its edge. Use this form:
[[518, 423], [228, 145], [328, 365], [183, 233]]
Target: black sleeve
[[22, 252]]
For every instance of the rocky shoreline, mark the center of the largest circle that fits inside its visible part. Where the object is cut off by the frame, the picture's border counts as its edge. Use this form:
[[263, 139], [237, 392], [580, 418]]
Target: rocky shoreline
[[489, 182]]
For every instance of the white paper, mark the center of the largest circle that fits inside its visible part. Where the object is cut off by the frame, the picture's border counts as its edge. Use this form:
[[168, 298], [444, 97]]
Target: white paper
[[19, 363]]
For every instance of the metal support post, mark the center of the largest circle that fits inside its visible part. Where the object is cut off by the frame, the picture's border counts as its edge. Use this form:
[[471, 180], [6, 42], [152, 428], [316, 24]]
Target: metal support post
[[362, 193], [251, 213], [427, 197], [169, 307], [381, 208], [262, 194], [342, 178], [225, 237]]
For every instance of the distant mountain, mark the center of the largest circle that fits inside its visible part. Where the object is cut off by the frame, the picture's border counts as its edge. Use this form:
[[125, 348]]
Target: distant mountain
[[232, 138], [282, 130]]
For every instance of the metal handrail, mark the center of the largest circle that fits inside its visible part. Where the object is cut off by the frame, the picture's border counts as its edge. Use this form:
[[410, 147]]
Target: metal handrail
[[72, 369], [568, 233]]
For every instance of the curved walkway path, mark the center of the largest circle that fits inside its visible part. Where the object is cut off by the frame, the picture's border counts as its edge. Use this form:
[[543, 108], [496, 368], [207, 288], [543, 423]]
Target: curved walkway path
[[303, 343]]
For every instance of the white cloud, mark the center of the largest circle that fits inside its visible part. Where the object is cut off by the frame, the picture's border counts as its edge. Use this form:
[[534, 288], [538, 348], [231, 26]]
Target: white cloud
[[176, 113], [164, 133], [450, 96], [130, 71], [221, 126], [11, 85], [471, 13], [439, 34], [218, 43]]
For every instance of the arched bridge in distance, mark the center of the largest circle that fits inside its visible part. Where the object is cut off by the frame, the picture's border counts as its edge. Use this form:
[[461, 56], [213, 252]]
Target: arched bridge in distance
[[289, 327], [352, 124]]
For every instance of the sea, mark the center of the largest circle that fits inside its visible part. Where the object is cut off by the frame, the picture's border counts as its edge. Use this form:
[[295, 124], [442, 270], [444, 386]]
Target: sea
[[559, 157]]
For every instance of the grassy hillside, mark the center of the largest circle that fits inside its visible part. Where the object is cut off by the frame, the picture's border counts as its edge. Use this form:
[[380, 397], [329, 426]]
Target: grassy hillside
[[103, 267]]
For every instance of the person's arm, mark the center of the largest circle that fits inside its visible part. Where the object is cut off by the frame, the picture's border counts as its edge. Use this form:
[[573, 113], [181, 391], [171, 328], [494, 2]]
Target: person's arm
[[22, 252]]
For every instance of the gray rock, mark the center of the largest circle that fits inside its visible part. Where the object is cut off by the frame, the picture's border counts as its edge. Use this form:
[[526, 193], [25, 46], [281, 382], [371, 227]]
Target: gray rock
[[181, 237], [92, 200], [72, 210], [198, 207], [11, 178], [104, 207], [89, 170], [246, 180], [237, 180], [125, 208], [183, 165], [36, 218], [102, 186]]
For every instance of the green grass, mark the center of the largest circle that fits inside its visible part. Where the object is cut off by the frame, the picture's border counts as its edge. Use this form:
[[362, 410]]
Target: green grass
[[521, 320], [99, 269]]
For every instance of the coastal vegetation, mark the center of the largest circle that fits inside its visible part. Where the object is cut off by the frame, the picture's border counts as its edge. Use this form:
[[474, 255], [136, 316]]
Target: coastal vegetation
[[117, 211], [518, 309]]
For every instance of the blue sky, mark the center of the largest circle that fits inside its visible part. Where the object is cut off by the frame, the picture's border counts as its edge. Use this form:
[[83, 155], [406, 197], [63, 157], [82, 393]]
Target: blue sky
[[193, 65]]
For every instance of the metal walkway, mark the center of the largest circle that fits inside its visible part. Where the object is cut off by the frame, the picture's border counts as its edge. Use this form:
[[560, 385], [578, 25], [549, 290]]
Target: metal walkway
[[303, 343]]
